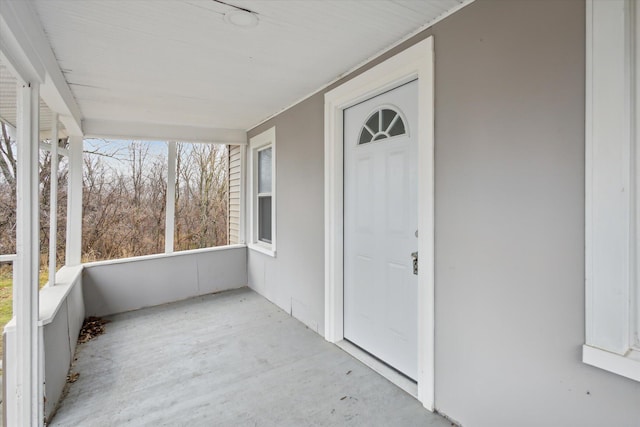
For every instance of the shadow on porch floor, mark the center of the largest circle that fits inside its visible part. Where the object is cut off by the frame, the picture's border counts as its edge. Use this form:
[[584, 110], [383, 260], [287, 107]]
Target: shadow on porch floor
[[230, 359]]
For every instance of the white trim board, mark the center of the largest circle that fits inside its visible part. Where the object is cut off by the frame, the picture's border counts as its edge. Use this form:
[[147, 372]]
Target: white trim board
[[380, 367], [94, 128], [612, 289], [627, 366], [414, 62], [162, 255], [262, 140]]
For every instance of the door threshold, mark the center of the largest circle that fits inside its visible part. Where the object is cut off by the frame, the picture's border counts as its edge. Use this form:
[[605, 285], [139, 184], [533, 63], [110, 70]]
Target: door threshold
[[380, 367]]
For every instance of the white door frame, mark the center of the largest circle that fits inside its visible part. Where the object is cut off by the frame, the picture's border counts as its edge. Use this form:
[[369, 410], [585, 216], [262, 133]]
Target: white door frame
[[414, 62]]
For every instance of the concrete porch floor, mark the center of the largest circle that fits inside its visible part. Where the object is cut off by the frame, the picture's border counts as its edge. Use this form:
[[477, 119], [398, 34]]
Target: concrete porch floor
[[230, 359]]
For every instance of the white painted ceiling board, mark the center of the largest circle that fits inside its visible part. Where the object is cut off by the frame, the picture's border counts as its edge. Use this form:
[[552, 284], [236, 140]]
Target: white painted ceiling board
[[9, 104], [178, 62]]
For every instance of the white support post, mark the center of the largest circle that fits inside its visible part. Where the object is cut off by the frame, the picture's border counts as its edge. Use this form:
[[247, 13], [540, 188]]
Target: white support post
[[169, 227], [25, 291], [74, 203], [53, 201]]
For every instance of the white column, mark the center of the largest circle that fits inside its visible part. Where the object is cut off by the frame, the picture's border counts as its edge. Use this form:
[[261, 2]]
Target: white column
[[53, 201], [25, 291], [169, 227], [74, 203]]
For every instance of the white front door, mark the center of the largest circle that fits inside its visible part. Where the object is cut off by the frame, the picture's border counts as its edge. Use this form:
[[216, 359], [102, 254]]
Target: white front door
[[381, 227]]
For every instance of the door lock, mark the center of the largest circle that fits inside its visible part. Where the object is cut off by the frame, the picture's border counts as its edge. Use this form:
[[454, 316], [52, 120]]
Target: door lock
[[414, 257]]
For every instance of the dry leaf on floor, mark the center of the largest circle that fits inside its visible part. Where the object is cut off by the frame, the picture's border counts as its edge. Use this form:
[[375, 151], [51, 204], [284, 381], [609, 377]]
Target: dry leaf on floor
[[73, 377], [91, 328]]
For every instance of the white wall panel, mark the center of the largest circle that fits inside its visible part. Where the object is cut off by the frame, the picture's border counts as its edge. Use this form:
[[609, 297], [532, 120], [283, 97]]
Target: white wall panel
[[112, 287]]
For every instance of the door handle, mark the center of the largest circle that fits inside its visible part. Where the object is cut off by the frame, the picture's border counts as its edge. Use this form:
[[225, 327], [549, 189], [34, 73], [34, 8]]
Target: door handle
[[414, 257]]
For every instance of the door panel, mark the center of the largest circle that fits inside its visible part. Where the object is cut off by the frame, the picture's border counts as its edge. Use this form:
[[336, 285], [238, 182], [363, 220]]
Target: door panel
[[380, 219]]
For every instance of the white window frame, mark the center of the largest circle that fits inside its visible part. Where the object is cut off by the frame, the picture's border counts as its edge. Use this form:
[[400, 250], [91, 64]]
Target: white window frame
[[266, 139], [612, 188]]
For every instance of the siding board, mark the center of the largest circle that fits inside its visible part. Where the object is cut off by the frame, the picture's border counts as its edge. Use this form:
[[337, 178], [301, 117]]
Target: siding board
[[235, 177]]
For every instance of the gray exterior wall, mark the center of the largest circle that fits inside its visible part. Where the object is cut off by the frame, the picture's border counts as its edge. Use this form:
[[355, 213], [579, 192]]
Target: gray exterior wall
[[294, 280], [509, 158]]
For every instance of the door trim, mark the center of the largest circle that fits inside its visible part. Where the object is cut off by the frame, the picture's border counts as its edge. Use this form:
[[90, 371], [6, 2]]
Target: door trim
[[414, 62]]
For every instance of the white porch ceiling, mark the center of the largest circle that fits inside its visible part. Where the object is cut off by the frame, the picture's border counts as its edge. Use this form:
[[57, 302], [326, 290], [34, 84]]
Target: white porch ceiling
[[9, 105], [176, 62]]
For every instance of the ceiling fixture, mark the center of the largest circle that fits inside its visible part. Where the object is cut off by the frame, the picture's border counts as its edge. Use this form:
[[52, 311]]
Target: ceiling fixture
[[240, 17]]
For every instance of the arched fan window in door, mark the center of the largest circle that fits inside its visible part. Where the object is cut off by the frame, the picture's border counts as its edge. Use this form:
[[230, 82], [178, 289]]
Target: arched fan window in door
[[383, 123]]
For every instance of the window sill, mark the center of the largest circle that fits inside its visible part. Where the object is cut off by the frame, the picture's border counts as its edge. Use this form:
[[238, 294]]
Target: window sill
[[262, 249], [627, 366]]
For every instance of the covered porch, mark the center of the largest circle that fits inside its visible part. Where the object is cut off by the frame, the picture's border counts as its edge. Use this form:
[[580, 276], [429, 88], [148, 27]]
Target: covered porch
[[231, 358], [121, 85], [512, 214]]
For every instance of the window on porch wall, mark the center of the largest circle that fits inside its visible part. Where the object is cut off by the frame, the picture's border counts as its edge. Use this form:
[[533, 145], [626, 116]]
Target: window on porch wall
[[125, 212], [262, 192]]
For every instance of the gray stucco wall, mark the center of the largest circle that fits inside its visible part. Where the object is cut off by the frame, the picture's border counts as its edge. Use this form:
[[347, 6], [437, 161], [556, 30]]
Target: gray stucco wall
[[294, 280], [509, 158], [510, 221]]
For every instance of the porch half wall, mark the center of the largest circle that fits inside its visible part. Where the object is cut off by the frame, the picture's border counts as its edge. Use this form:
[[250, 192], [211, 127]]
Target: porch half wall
[[117, 286], [509, 225]]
